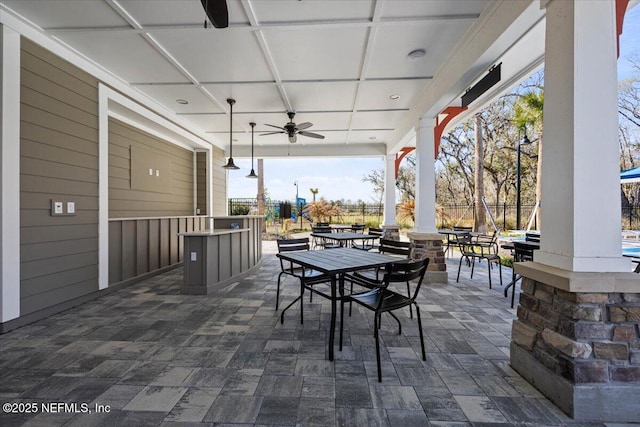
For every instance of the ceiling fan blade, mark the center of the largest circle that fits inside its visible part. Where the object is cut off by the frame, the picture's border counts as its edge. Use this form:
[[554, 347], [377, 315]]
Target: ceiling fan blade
[[272, 133], [311, 134], [303, 126], [293, 138], [274, 126], [217, 12]]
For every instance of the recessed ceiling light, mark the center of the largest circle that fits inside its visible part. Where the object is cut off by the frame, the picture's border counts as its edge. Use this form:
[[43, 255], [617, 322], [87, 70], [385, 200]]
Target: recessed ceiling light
[[372, 138], [416, 55], [394, 96], [182, 101]]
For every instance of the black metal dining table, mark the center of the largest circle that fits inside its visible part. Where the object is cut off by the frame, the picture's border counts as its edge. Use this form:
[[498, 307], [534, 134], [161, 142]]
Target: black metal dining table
[[518, 247], [345, 238], [335, 263]]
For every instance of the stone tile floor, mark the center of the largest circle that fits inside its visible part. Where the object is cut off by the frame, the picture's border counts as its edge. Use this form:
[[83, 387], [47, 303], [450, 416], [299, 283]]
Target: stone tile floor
[[155, 357]]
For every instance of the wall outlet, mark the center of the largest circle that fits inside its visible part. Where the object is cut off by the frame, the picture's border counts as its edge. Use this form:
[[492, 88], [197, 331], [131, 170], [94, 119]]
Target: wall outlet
[[57, 208], [194, 256], [157, 172]]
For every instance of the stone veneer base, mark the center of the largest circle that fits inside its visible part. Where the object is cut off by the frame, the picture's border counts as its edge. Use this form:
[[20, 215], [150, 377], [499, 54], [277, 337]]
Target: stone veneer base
[[436, 277], [577, 340], [584, 402]]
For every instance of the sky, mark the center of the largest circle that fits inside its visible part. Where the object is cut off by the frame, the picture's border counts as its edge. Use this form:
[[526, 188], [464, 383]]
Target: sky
[[341, 178]]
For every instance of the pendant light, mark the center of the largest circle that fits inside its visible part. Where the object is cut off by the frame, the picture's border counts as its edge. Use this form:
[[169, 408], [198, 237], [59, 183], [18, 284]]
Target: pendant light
[[252, 174], [230, 164]]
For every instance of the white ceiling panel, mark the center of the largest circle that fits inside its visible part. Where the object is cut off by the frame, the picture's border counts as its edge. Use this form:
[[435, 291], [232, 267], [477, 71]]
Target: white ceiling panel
[[138, 62], [369, 136], [316, 10], [217, 56], [320, 54], [209, 122], [374, 94], [168, 94], [412, 8], [178, 12], [51, 14], [258, 97], [393, 44], [322, 96], [376, 119]]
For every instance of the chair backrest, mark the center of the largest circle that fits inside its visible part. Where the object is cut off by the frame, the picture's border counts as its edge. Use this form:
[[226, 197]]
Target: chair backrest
[[321, 224], [291, 245], [375, 231], [321, 229], [357, 228], [461, 228], [532, 237], [396, 247], [400, 272], [522, 252]]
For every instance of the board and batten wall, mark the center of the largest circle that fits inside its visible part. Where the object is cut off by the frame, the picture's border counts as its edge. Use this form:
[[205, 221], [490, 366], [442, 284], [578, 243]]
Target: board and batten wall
[[59, 161]]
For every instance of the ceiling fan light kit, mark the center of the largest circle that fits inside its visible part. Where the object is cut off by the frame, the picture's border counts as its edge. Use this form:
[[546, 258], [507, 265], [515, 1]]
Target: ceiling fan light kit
[[230, 164], [293, 130]]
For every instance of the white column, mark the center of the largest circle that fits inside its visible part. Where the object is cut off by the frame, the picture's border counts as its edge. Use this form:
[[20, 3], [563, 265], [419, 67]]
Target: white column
[[9, 174], [389, 190], [581, 219], [425, 178]]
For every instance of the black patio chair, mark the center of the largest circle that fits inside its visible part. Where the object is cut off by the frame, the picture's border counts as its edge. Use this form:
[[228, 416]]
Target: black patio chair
[[478, 248], [374, 278], [306, 276], [321, 242], [384, 300], [370, 244]]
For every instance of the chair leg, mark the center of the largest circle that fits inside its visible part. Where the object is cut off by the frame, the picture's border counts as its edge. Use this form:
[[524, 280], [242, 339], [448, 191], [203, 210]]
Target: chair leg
[[473, 264], [341, 320], [397, 320], [376, 323], [302, 302], [424, 355], [409, 295], [489, 272], [500, 270], [350, 302], [278, 290], [459, 266]]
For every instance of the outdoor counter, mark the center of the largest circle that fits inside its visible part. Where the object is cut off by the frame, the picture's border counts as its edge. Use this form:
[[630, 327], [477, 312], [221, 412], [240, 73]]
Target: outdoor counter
[[217, 257]]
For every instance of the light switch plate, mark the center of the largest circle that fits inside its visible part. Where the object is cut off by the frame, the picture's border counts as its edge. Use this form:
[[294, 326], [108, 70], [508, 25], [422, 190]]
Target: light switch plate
[[194, 256], [71, 207], [57, 208]]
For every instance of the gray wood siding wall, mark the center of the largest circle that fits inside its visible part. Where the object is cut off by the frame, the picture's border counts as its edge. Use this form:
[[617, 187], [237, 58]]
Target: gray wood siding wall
[[124, 202], [201, 182], [58, 160], [219, 183]]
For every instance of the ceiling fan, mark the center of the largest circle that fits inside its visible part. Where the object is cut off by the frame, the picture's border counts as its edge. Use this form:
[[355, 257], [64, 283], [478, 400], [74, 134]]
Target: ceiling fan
[[217, 12], [293, 130]]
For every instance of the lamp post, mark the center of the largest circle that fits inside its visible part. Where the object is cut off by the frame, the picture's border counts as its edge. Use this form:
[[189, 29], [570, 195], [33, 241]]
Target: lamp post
[[297, 206], [524, 141]]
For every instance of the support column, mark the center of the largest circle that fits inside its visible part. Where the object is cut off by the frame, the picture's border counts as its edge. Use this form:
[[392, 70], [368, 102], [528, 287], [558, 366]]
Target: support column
[[391, 229], [576, 337], [9, 176], [425, 237], [581, 216]]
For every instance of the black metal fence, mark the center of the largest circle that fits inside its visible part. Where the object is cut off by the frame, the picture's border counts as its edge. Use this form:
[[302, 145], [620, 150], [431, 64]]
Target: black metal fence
[[504, 214]]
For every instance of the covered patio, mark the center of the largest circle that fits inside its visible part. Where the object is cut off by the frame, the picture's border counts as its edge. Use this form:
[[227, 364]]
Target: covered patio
[[156, 357]]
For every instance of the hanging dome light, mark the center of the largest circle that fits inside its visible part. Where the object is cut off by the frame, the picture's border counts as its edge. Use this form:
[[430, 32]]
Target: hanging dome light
[[230, 164], [252, 174]]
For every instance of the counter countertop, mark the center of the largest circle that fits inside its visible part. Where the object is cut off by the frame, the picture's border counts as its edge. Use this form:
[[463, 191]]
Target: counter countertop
[[216, 232]]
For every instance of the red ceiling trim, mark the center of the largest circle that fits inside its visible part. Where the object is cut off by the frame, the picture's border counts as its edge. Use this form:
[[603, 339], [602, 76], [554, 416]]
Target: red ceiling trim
[[450, 112], [621, 9]]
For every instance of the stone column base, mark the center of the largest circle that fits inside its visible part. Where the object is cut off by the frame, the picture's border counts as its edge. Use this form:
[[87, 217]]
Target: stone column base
[[391, 232], [429, 245], [576, 340]]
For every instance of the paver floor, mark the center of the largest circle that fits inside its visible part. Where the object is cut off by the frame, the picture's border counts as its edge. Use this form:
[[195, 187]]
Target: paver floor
[[148, 355]]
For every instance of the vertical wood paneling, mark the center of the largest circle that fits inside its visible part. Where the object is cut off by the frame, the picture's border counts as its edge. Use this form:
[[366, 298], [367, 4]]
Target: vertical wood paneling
[[165, 242], [142, 246], [154, 244], [128, 249], [115, 252]]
